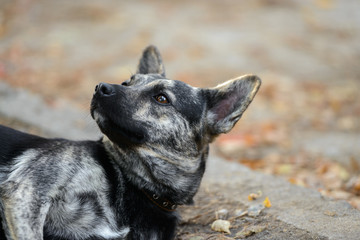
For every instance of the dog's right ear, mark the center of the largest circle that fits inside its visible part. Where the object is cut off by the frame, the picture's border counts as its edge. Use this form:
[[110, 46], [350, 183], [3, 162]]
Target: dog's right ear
[[151, 62]]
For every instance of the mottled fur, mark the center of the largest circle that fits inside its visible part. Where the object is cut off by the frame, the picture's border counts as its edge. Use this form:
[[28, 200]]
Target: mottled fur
[[156, 137]]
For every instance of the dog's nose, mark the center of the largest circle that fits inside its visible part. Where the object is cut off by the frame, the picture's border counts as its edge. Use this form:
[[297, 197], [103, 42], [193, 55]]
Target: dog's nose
[[104, 89]]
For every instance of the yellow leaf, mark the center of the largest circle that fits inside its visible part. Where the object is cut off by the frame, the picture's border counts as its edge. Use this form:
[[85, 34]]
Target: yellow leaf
[[254, 196], [267, 202]]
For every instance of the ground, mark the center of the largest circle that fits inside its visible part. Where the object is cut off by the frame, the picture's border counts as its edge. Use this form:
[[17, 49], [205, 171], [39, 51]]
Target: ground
[[303, 124], [197, 220]]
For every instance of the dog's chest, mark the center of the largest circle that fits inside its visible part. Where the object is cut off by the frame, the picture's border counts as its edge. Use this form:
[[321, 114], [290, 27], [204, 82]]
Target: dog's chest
[[83, 214]]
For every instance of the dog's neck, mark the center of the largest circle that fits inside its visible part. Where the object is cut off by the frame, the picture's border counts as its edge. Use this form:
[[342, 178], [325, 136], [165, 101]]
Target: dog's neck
[[132, 165]]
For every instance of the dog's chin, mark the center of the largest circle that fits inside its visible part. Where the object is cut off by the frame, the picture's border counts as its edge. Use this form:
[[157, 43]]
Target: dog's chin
[[121, 134]]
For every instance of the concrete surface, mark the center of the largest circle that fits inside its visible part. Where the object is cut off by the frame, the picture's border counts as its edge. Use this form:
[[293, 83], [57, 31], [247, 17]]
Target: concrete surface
[[300, 207]]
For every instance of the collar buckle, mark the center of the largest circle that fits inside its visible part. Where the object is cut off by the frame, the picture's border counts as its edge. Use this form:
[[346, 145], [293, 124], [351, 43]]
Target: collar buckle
[[162, 203]]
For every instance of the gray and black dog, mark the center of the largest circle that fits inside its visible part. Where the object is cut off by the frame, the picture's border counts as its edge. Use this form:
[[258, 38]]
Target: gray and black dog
[[128, 184]]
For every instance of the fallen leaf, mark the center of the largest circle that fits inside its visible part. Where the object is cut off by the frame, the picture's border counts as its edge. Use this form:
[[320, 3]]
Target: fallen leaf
[[330, 213], [297, 181], [221, 226], [338, 194], [253, 163], [267, 202], [248, 231], [355, 166], [284, 169], [254, 196], [355, 202]]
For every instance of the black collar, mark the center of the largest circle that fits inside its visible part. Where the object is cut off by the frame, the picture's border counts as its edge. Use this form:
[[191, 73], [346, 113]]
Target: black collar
[[162, 203]]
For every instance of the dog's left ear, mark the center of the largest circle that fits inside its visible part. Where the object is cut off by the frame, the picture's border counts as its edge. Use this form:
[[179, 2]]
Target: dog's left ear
[[151, 62], [228, 101]]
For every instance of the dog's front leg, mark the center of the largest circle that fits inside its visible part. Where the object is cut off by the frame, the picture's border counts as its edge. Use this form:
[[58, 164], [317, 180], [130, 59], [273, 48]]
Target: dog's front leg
[[24, 214]]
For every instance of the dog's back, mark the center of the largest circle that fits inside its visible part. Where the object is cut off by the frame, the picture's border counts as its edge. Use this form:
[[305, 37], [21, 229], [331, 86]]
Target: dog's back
[[13, 143]]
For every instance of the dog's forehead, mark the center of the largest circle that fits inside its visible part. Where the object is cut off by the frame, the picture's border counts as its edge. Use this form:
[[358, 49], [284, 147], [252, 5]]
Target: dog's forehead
[[143, 79], [158, 81]]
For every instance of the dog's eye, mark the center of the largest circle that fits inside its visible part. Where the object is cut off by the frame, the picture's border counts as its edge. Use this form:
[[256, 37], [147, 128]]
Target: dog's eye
[[161, 98]]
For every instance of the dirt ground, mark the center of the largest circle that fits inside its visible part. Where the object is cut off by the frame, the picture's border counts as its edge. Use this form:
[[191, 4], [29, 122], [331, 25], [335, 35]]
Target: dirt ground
[[304, 124]]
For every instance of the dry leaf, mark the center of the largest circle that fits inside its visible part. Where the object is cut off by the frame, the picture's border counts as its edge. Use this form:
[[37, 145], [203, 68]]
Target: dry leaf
[[248, 231], [284, 169], [267, 202], [330, 213], [254, 196], [221, 226]]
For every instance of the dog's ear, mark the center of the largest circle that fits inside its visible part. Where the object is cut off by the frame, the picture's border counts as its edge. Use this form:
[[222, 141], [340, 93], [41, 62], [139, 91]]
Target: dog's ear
[[228, 101], [151, 62]]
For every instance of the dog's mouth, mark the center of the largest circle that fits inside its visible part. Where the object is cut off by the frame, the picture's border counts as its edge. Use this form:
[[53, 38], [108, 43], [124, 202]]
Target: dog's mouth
[[123, 132]]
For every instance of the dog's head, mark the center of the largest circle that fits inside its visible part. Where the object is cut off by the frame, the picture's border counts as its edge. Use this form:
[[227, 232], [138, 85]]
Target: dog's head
[[159, 129]]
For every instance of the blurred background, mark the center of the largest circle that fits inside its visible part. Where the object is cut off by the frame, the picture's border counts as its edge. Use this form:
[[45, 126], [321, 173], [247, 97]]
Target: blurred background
[[304, 124]]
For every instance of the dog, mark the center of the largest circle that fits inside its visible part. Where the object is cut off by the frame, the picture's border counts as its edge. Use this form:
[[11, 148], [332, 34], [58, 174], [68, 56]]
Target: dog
[[128, 184]]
